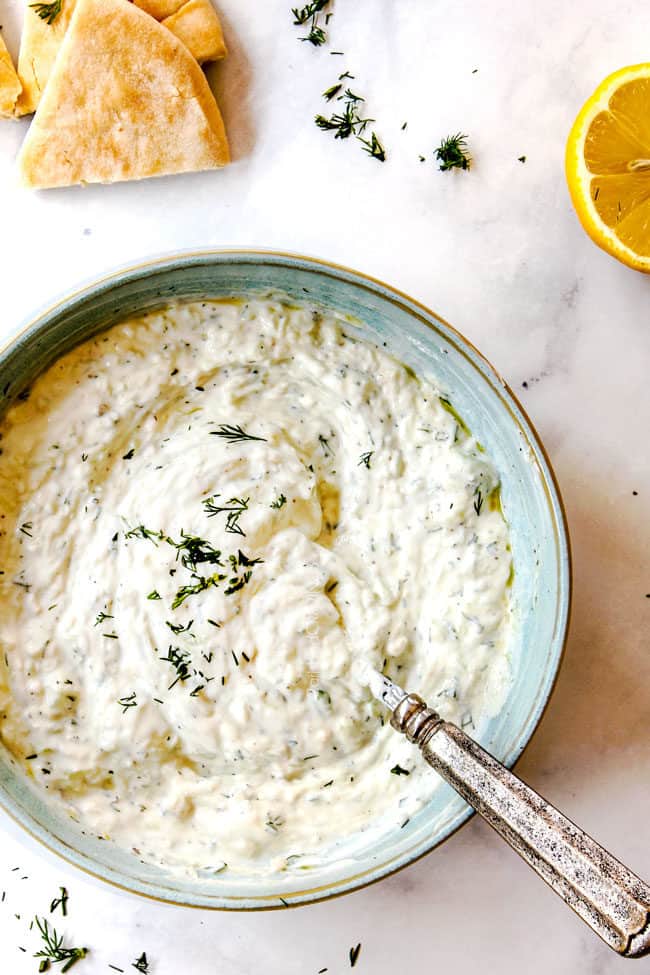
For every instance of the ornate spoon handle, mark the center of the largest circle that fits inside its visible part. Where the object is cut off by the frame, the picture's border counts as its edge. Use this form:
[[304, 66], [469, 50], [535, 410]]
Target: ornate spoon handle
[[609, 897]]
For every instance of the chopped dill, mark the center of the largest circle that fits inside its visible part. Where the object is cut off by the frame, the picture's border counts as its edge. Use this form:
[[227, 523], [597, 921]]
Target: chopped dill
[[279, 502], [61, 902], [398, 770], [47, 11], [101, 617], [128, 702], [452, 153], [364, 459], [54, 949], [234, 509]]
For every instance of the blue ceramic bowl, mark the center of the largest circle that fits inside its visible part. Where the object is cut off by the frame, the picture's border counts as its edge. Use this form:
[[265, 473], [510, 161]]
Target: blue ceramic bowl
[[531, 503]]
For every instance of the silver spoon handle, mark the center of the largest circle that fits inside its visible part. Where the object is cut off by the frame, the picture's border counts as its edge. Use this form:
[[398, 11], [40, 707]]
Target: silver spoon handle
[[609, 897]]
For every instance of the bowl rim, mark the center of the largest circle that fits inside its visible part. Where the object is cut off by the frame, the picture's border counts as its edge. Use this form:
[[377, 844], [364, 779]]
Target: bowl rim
[[169, 260]]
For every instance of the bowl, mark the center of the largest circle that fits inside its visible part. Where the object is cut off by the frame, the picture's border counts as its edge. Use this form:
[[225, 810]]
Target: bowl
[[530, 499]]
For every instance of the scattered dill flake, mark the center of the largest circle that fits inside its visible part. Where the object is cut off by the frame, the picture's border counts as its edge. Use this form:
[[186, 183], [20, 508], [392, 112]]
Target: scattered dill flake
[[179, 628], [478, 501], [61, 902], [234, 657], [346, 74], [101, 617], [110, 636], [521, 159], [154, 594], [398, 770], [274, 823], [47, 11], [115, 968], [404, 125], [129, 454], [279, 502], [127, 702], [452, 153], [326, 785], [141, 964], [374, 147], [324, 695], [218, 626], [233, 434], [422, 158], [54, 948], [316, 36], [141, 532], [364, 459], [26, 529], [331, 92], [309, 14], [84, 457], [354, 955], [29, 758], [332, 586]]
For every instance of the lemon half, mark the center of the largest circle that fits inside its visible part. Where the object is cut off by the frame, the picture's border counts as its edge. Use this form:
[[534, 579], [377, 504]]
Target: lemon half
[[608, 166]]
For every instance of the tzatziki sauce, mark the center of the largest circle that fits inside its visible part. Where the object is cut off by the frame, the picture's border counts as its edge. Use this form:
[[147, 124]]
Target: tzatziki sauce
[[215, 517]]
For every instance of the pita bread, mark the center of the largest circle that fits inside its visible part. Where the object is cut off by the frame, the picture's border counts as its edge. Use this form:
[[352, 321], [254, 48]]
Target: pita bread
[[125, 100], [10, 86], [39, 46], [159, 9], [196, 24], [40, 41]]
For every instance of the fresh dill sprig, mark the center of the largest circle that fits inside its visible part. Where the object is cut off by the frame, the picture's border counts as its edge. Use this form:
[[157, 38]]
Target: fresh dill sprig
[[141, 964], [55, 950], [374, 147], [309, 14], [101, 617], [452, 153], [316, 35], [303, 14], [47, 11], [141, 532], [180, 661], [365, 459], [279, 502], [202, 583], [127, 702], [233, 434], [195, 551], [349, 121], [61, 902], [234, 510]]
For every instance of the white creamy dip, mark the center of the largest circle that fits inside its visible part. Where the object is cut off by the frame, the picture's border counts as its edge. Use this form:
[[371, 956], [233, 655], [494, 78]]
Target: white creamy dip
[[188, 680]]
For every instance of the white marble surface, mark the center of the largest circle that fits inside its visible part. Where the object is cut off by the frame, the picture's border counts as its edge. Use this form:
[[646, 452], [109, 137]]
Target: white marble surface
[[499, 253]]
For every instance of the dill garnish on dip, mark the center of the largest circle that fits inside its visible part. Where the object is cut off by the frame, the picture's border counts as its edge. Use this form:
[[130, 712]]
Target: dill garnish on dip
[[186, 632]]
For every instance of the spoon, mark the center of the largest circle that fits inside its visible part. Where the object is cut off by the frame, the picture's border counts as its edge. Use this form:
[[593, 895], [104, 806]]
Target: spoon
[[612, 900]]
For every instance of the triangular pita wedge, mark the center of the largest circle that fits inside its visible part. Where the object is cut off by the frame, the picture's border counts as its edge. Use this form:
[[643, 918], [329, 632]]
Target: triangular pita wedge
[[9, 84], [39, 46], [199, 29], [196, 24], [125, 100]]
